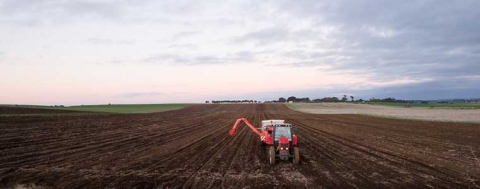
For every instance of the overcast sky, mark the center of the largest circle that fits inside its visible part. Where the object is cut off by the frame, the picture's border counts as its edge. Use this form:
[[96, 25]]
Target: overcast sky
[[126, 51]]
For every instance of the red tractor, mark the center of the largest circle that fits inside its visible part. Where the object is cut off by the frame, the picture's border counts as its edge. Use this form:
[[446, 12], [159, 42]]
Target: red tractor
[[282, 144]]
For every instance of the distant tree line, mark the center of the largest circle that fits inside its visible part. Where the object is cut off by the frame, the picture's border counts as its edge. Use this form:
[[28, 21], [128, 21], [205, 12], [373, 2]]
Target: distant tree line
[[389, 99], [343, 98], [346, 98], [233, 101], [307, 99], [326, 99]]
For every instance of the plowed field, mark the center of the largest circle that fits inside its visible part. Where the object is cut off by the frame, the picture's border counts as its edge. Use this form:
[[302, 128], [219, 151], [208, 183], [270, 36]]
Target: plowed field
[[191, 148]]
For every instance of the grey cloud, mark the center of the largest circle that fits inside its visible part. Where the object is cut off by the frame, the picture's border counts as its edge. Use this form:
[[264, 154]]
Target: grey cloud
[[280, 33], [273, 35], [116, 62], [23, 12], [386, 40], [98, 41], [33, 11], [208, 60], [223, 22], [243, 56], [140, 94], [264, 36], [22, 22], [166, 58], [100, 9], [296, 64], [390, 39], [431, 90], [185, 34], [182, 59], [238, 57], [183, 46]]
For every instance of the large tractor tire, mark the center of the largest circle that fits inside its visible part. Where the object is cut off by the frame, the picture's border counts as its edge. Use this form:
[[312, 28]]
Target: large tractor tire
[[271, 155], [296, 153]]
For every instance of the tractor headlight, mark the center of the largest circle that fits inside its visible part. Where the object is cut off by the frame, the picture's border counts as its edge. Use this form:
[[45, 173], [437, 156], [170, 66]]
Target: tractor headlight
[[282, 148], [286, 148]]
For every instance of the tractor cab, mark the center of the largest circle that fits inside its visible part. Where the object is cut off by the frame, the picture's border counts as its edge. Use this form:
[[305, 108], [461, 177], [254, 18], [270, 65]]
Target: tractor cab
[[277, 128], [282, 130]]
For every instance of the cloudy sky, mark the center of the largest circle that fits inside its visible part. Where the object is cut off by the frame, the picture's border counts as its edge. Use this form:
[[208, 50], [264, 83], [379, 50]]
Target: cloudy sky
[[126, 51]]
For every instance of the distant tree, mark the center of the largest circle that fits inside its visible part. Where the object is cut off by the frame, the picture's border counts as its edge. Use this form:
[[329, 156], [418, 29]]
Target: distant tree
[[292, 98], [344, 99], [206, 102], [352, 98], [281, 99], [327, 99]]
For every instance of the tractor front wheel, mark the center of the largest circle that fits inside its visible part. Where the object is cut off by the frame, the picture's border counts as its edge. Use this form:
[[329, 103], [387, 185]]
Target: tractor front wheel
[[296, 153], [271, 155]]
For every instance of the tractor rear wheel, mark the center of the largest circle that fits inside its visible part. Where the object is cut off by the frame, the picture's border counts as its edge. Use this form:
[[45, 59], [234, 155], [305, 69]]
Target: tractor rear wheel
[[271, 155], [296, 157]]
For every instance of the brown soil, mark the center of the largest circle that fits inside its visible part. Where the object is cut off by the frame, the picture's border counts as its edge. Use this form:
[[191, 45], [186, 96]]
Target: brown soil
[[191, 148], [25, 110]]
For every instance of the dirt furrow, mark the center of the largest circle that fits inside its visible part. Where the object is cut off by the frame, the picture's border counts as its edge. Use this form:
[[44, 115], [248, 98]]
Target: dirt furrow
[[191, 148]]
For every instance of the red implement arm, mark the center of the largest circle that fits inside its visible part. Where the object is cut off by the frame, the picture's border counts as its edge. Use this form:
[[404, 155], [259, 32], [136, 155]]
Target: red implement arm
[[239, 121]]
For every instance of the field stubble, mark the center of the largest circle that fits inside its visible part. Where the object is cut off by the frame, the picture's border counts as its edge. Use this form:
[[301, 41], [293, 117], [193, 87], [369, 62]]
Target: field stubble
[[418, 113]]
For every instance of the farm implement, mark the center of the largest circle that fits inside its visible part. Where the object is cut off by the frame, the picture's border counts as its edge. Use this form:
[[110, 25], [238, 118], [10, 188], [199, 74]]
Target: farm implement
[[277, 135]]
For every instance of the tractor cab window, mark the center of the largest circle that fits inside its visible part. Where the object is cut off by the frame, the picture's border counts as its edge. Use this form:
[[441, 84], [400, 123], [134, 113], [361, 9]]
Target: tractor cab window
[[285, 131]]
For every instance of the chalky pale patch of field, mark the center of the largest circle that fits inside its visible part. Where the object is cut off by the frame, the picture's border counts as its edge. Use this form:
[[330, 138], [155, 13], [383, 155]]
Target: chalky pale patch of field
[[461, 115]]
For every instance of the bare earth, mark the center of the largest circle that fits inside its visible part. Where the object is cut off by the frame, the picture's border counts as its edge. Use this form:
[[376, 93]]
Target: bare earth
[[191, 148], [463, 115]]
